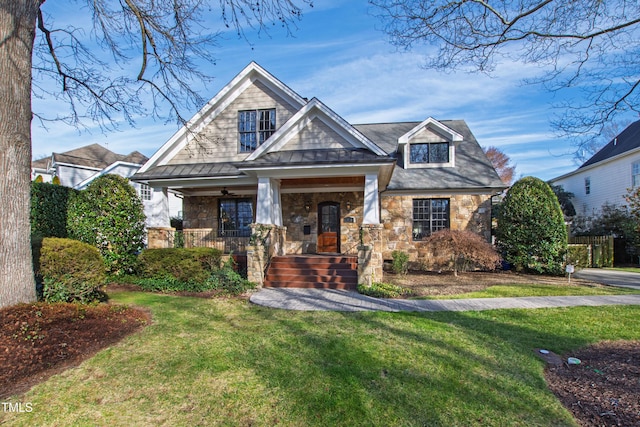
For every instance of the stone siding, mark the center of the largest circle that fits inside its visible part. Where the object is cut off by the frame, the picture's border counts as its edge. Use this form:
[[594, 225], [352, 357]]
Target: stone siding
[[470, 212], [295, 217]]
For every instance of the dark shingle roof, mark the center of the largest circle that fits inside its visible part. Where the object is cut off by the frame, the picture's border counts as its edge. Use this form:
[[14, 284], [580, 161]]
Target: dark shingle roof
[[96, 156], [627, 140], [472, 168]]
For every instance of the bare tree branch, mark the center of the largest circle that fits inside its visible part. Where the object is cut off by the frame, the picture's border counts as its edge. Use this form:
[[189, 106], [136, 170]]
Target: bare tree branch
[[590, 46]]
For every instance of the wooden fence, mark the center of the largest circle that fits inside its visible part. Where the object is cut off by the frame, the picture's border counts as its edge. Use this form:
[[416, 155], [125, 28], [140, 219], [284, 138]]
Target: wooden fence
[[600, 248]]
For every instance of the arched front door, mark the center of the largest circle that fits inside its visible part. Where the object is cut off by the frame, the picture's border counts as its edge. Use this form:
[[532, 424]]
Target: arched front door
[[329, 227]]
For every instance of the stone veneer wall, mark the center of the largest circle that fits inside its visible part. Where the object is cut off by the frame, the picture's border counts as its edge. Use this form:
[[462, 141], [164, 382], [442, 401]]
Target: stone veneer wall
[[295, 217], [202, 211], [470, 212]]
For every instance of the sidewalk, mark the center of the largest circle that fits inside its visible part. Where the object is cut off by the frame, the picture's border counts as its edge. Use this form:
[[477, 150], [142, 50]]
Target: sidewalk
[[337, 300]]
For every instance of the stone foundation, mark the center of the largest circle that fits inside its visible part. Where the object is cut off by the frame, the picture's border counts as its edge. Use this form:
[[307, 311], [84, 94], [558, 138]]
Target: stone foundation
[[370, 260], [160, 237]]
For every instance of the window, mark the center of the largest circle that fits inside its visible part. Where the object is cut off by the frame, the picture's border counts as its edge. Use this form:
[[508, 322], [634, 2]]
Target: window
[[635, 174], [145, 192], [429, 153], [235, 217], [587, 186], [255, 127], [429, 216]]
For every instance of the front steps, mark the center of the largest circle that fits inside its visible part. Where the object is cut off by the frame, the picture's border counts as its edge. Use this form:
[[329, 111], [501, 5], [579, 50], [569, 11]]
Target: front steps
[[313, 271]]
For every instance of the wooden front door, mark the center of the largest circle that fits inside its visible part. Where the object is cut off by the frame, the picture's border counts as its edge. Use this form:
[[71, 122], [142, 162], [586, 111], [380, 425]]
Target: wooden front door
[[329, 227]]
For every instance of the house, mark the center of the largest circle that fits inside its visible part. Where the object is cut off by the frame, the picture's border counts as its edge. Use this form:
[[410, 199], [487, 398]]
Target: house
[[259, 160], [605, 177], [77, 168]]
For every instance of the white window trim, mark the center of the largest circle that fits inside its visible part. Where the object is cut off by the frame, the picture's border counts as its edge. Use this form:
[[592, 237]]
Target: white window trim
[[450, 164]]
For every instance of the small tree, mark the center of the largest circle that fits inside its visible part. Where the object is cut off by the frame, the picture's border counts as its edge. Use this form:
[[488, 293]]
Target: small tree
[[564, 198], [109, 215], [461, 250], [531, 231]]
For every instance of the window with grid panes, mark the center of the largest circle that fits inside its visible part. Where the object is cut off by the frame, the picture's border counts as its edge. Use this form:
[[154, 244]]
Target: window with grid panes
[[635, 174], [429, 216], [235, 217], [255, 127], [437, 152], [145, 192]]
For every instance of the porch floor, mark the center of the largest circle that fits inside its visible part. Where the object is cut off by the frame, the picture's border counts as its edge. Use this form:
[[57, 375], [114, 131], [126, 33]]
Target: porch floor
[[324, 271]]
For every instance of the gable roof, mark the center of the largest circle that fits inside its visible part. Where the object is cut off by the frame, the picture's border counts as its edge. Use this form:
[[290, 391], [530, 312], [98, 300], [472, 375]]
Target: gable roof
[[251, 73], [473, 170], [312, 110], [94, 156], [627, 140]]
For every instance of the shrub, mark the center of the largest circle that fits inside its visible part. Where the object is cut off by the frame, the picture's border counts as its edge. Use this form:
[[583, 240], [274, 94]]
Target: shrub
[[49, 209], [207, 276], [531, 231], [182, 264], [456, 250], [400, 263], [109, 215], [70, 270], [578, 255], [381, 290]]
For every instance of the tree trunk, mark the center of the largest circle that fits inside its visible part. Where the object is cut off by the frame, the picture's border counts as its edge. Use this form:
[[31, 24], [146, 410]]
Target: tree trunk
[[17, 30]]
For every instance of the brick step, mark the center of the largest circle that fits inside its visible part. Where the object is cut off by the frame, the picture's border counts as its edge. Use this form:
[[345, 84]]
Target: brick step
[[308, 271], [313, 285], [312, 271], [275, 277]]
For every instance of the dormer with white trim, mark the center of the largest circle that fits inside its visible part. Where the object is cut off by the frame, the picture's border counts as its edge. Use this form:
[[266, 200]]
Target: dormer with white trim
[[431, 144]]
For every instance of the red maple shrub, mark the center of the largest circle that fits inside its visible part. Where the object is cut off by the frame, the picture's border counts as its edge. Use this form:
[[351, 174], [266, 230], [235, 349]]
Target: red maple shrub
[[456, 251]]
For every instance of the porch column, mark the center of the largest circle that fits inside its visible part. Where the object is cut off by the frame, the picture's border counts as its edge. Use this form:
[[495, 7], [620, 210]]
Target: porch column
[[371, 199], [269, 208]]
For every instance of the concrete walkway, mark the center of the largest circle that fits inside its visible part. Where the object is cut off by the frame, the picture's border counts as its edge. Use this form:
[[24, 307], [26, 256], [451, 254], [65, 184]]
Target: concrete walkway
[[336, 300]]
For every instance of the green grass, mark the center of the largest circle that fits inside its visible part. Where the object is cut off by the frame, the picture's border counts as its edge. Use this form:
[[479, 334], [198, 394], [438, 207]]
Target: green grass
[[229, 363], [537, 290]]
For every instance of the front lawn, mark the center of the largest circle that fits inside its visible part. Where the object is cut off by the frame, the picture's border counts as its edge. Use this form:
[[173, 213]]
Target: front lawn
[[227, 362]]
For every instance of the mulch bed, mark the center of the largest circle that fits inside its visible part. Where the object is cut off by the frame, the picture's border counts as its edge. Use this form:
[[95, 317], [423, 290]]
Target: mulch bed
[[40, 340], [604, 389]]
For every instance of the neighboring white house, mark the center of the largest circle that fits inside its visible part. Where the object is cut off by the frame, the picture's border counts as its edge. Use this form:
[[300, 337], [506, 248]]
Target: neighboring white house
[[77, 168], [605, 177]]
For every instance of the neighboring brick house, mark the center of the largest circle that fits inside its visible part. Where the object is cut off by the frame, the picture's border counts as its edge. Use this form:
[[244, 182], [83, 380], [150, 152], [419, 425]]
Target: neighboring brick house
[[260, 157], [78, 167]]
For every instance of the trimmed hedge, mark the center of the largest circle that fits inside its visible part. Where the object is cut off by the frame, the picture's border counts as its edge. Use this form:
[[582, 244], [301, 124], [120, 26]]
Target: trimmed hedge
[[109, 215], [531, 231], [183, 264], [70, 270], [381, 290], [49, 209]]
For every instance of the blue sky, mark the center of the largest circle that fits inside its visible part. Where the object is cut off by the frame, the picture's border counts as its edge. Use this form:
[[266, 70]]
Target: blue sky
[[339, 55]]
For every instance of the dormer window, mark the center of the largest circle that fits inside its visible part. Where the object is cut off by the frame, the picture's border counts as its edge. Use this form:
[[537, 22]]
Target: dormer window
[[255, 127], [437, 152]]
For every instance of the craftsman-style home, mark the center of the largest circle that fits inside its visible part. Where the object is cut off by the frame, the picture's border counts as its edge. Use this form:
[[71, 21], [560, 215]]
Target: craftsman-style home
[[266, 172]]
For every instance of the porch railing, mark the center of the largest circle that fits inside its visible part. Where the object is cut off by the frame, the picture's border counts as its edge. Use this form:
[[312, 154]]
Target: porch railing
[[232, 241]]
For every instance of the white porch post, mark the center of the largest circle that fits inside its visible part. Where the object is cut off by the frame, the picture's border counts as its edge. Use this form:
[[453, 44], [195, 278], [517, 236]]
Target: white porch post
[[371, 200], [157, 209], [269, 206]]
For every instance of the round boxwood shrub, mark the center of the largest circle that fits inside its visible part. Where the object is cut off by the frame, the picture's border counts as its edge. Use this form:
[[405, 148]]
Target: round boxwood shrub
[[531, 231], [109, 215], [70, 270]]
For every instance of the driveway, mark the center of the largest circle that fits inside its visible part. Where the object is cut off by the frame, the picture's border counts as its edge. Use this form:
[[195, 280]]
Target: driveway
[[610, 277]]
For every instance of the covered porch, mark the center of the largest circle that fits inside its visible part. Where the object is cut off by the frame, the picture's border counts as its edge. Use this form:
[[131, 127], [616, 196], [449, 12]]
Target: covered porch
[[282, 212]]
